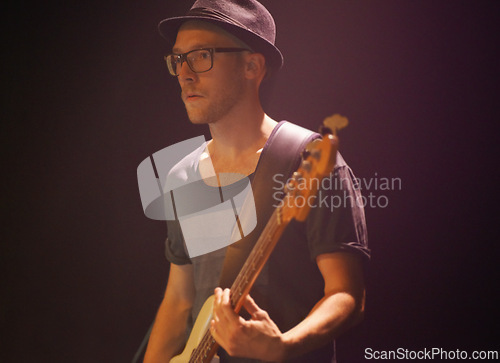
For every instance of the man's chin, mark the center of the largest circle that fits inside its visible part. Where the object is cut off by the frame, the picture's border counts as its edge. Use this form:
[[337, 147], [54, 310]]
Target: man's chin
[[196, 120]]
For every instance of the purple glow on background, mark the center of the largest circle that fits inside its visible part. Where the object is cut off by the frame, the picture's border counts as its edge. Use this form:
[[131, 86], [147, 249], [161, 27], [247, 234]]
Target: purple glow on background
[[88, 96]]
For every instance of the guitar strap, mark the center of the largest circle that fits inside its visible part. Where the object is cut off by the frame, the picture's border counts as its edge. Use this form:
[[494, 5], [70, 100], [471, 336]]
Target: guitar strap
[[280, 157]]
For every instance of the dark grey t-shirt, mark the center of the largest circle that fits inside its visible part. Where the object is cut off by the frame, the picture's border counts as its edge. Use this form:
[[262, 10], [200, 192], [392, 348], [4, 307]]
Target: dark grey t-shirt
[[290, 283]]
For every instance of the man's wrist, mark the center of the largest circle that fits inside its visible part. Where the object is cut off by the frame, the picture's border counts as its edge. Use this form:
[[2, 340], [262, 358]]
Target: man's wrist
[[284, 348]]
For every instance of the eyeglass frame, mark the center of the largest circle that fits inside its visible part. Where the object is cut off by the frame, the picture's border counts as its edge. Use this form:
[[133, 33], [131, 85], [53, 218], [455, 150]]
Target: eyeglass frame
[[183, 57]]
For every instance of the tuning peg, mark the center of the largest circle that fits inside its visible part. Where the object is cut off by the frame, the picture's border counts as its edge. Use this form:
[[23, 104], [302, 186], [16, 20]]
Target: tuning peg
[[306, 165], [323, 130]]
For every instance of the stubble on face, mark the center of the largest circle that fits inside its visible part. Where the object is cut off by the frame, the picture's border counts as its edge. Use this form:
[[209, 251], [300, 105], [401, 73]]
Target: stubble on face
[[218, 101]]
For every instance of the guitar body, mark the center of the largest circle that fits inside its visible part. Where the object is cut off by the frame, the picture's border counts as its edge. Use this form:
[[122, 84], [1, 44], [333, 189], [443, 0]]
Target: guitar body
[[201, 325]]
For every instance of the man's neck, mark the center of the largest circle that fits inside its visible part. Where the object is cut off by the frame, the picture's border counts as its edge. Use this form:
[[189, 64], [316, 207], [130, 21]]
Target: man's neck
[[240, 135], [236, 144]]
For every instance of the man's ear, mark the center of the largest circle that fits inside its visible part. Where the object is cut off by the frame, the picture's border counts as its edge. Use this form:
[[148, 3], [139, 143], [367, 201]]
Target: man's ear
[[255, 66]]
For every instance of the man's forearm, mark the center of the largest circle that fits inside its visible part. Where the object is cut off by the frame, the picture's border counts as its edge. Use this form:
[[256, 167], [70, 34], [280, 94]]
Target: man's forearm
[[168, 334], [330, 317]]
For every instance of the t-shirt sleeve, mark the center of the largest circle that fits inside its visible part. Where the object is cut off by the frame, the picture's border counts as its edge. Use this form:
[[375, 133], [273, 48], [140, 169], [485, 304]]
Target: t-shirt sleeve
[[336, 221], [175, 249]]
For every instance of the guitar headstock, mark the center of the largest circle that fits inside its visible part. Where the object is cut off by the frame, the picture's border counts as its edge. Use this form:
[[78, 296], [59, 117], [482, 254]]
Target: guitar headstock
[[318, 161], [334, 123]]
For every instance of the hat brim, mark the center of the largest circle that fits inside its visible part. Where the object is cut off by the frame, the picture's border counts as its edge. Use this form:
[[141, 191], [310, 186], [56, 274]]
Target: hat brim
[[168, 28]]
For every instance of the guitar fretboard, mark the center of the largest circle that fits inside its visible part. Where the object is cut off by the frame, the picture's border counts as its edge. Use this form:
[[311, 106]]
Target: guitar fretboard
[[247, 276]]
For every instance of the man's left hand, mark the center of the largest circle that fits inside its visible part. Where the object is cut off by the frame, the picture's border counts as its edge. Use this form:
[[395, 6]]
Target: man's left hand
[[257, 338]]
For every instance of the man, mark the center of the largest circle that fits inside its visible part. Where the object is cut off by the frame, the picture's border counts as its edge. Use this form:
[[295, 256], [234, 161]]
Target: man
[[312, 288]]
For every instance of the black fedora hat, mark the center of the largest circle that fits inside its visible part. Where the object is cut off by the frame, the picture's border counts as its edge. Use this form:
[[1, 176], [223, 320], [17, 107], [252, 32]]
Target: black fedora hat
[[248, 20]]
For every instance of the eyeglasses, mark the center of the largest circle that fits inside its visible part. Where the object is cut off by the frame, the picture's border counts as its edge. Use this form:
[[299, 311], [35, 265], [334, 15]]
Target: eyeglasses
[[198, 60]]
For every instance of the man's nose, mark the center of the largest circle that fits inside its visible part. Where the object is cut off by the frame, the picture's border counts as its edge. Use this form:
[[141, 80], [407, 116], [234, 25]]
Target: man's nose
[[185, 72]]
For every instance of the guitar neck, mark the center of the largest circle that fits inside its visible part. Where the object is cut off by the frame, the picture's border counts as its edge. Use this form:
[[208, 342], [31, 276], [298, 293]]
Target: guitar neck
[[258, 258], [246, 278]]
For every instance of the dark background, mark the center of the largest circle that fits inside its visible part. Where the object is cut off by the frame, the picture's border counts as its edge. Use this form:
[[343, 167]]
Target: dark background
[[87, 97]]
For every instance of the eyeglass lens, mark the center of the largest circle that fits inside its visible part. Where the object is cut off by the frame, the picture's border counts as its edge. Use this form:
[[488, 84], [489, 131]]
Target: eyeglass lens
[[198, 60]]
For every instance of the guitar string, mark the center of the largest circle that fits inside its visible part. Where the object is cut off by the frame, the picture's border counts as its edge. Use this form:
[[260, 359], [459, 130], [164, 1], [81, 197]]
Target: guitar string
[[258, 252], [207, 343], [250, 266]]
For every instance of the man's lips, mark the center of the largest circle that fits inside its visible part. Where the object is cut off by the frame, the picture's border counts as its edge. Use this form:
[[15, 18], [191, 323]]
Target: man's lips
[[189, 97]]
